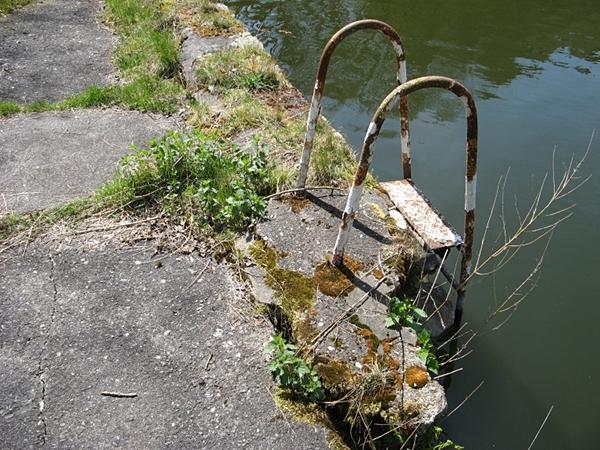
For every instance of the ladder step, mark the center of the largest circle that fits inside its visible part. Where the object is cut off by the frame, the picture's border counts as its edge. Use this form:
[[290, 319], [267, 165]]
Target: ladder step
[[418, 212]]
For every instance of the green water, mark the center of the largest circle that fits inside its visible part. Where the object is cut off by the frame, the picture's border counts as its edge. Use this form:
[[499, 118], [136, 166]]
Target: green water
[[534, 68]]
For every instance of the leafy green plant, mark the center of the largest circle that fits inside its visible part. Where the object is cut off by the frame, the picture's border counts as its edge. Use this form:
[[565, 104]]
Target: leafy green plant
[[197, 177], [291, 371], [427, 351], [403, 313], [436, 440]]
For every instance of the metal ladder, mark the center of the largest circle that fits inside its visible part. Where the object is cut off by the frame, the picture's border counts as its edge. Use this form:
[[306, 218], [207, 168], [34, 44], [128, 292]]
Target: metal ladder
[[437, 235]]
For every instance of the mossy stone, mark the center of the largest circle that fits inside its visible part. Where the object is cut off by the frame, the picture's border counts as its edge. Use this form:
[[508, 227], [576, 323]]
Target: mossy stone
[[416, 377], [334, 281]]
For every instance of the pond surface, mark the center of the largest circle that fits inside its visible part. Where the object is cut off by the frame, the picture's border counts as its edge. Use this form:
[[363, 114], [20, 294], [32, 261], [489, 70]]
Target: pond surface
[[534, 68]]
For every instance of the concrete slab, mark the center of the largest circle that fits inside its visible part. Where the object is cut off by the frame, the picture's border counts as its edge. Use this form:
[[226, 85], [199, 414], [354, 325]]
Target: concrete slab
[[76, 323], [52, 157], [344, 326], [307, 235], [52, 49]]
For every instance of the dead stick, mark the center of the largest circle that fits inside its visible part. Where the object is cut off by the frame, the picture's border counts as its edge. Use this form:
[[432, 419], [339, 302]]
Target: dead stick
[[114, 227], [119, 394], [332, 326], [540, 428], [464, 401], [291, 191]]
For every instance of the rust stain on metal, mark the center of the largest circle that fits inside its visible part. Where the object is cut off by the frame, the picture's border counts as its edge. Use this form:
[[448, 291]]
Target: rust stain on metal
[[315, 106], [406, 166], [434, 231]]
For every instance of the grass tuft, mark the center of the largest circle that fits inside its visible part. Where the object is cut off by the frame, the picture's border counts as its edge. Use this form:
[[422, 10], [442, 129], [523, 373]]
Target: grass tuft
[[8, 6], [148, 45], [148, 93], [204, 16], [13, 224], [249, 68], [9, 108]]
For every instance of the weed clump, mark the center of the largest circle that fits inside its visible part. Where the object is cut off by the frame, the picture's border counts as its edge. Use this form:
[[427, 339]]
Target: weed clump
[[196, 178], [292, 372], [249, 68], [204, 16]]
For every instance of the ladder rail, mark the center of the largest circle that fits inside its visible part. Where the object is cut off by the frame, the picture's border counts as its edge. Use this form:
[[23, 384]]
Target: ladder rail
[[353, 201], [315, 104]]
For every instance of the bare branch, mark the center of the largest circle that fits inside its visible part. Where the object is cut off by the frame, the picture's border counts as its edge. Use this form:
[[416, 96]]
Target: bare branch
[[464, 401], [540, 428]]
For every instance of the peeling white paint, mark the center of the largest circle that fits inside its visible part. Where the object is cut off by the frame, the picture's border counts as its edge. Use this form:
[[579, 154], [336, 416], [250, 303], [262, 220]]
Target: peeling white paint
[[354, 199], [465, 102], [398, 49], [403, 73], [351, 208], [405, 145], [311, 126], [370, 131], [470, 193]]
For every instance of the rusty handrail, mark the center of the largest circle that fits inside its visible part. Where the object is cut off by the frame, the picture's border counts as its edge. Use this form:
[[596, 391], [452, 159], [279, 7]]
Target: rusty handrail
[[386, 105], [315, 104]]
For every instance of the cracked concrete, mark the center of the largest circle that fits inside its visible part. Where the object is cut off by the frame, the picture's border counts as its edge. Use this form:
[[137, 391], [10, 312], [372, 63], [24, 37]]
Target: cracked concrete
[[41, 371], [112, 320], [52, 49], [26, 297]]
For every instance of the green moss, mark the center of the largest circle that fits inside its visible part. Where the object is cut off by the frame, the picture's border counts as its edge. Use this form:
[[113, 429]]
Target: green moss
[[310, 413], [366, 332], [300, 408], [416, 377], [295, 290], [304, 330], [335, 282], [336, 375]]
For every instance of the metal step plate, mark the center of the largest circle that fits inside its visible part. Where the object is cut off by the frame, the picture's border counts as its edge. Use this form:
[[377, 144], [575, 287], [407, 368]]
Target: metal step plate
[[421, 216]]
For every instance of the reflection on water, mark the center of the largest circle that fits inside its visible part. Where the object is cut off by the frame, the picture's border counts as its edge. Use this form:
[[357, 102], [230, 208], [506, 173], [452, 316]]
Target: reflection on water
[[488, 43], [534, 67]]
